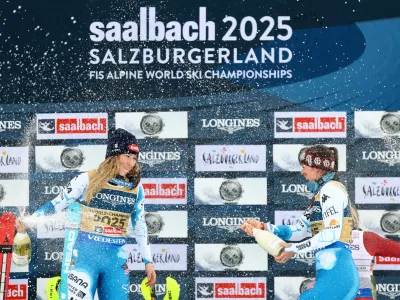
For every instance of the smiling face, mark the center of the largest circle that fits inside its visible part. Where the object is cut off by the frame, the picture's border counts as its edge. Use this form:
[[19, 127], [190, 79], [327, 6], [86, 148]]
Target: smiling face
[[312, 174], [126, 163]]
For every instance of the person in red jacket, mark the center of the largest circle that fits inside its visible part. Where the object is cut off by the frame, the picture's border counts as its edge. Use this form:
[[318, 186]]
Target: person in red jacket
[[365, 245]]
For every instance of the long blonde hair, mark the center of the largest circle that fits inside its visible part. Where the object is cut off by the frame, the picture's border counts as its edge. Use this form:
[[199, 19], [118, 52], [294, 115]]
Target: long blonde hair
[[355, 217], [107, 170]]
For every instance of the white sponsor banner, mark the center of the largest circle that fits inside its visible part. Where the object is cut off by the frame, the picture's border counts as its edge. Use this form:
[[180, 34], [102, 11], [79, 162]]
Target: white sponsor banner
[[72, 126], [14, 160], [64, 159], [167, 224], [240, 191], [289, 288], [376, 124], [52, 226], [230, 158], [164, 125], [285, 156], [387, 263], [17, 289], [14, 192], [228, 288], [287, 217], [308, 124], [378, 190], [238, 257], [171, 257], [165, 190], [380, 221]]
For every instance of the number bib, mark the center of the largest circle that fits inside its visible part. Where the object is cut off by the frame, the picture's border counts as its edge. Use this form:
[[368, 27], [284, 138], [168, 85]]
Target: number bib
[[104, 222]]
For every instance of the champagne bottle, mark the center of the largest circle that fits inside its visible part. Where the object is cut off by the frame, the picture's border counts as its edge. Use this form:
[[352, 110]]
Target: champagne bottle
[[22, 250], [268, 241]]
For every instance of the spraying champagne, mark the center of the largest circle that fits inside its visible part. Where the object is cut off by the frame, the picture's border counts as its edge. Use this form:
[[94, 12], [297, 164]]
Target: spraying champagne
[[269, 242]]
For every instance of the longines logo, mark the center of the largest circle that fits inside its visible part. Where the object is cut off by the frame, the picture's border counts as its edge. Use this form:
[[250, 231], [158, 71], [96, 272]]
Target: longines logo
[[115, 199], [53, 256], [152, 158], [390, 222], [229, 224], [230, 125], [298, 189], [305, 258], [54, 190], [389, 157], [7, 125], [72, 158], [391, 290]]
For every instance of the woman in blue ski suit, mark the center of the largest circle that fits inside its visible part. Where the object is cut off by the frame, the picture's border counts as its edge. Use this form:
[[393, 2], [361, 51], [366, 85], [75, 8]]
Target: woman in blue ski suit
[[103, 205], [325, 228]]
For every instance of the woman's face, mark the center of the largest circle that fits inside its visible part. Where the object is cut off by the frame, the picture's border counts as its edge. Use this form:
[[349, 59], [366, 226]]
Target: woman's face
[[311, 174], [126, 163]]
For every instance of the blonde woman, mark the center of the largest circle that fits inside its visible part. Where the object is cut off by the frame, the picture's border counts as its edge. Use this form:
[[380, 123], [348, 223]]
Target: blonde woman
[[110, 203]]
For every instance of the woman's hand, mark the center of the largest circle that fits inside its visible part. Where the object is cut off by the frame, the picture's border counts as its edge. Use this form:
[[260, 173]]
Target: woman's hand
[[21, 227], [248, 226], [151, 274], [285, 256]]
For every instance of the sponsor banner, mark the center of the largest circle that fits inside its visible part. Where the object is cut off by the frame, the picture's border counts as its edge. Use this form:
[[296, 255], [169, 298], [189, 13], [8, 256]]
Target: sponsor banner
[[224, 124], [233, 158], [41, 289], [382, 222], [376, 124], [285, 156], [387, 263], [48, 187], [14, 127], [17, 289], [52, 226], [287, 217], [14, 160], [387, 287], [14, 192], [135, 291], [291, 190], [72, 126], [165, 190], [167, 224], [49, 255], [290, 288], [171, 257], [69, 159], [310, 124], [227, 288], [375, 155], [240, 191], [163, 157], [224, 226], [378, 190], [235, 257], [163, 125]]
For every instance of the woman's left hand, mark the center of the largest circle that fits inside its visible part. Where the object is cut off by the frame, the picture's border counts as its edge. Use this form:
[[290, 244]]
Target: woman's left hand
[[285, 256], [151, 274]]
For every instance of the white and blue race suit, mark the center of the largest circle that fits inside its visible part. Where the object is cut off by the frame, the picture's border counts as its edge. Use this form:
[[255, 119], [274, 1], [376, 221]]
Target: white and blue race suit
[[94, 247], [328, 222]]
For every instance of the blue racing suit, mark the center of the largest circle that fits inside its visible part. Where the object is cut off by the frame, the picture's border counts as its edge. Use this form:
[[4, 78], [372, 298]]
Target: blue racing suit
[[328, 222], [94, 247]]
